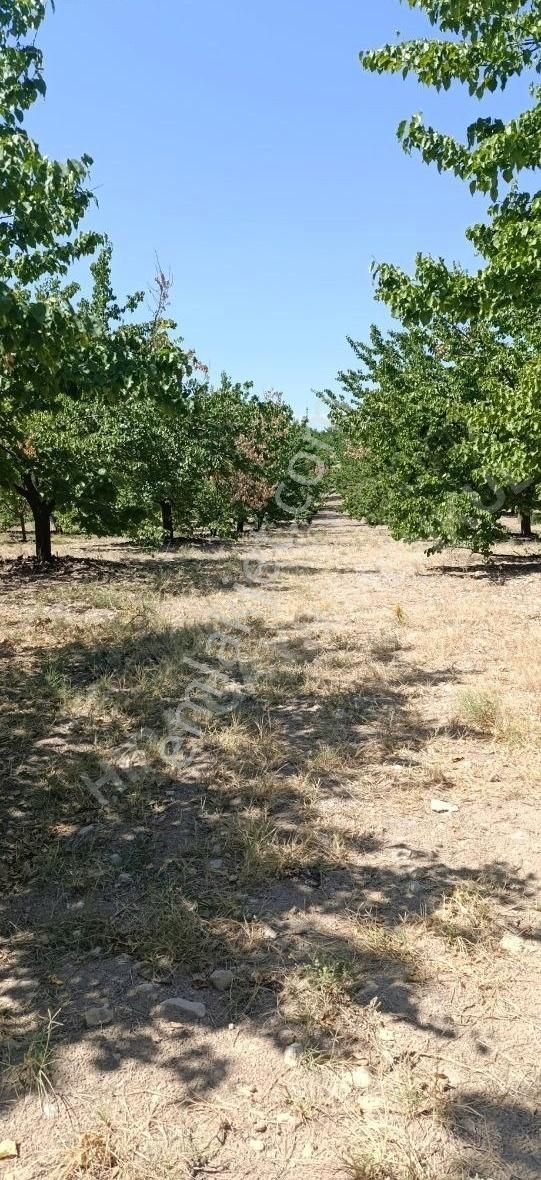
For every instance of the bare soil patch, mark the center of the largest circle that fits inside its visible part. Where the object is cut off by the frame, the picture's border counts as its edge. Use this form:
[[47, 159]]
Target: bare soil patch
[[376, 1015]]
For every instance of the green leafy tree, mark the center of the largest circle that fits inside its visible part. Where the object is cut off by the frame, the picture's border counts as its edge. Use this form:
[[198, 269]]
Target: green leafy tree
[[273, 469], [485, 44], [227, 467], [402, 434], [265, 484], [104, 455], [423, 438], [303, 462], [245, 460], [42, 203], [12, 512], [215, 417], [491, 316]]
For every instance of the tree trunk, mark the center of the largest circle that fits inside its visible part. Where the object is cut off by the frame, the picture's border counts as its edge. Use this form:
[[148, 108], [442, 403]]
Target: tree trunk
[[41, 511], [22, 523], [42, 524], [240, 527], [526, 526], [167, 519]]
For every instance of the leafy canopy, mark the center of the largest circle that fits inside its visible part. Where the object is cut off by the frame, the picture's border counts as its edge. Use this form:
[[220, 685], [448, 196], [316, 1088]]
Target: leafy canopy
[[42, 201], [108, 444], [487, 43], [439, 430]]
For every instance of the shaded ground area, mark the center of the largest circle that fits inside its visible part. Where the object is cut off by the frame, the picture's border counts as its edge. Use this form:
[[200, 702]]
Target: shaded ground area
[[336, 686]]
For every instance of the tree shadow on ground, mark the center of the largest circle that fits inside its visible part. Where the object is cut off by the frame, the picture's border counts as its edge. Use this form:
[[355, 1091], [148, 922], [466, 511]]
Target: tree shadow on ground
[[501, 1135], [132, 889], [156, 574], [500, 567]]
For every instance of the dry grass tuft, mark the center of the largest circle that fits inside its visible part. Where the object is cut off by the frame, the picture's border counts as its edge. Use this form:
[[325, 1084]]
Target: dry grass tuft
[[333, 760], [147, 1148], [466, 919], [480, 709], [259, 850], [34, 1073], [385, 1158], [382, 944], [487, 714], [93, 1157], [419, 1095], [318, 995], [168, 930], [251, 747], [386, 645]]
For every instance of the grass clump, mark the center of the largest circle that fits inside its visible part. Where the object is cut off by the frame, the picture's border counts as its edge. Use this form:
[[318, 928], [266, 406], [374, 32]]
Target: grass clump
[[390, 1156], [481, 709], [486, 713], [93, 1157], [386, 645], [167, 930], [259, 850], [170, 929], [143, 1149], [380, 944], [33, 1073], [466, 918], [318, 994]]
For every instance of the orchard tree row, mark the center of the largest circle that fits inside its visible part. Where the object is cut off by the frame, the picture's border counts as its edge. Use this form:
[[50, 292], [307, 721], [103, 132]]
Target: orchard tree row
[[108, 424], [438, 426]]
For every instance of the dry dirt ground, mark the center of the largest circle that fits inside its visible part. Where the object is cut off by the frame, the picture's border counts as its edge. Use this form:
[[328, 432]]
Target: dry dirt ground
[[292, 844]]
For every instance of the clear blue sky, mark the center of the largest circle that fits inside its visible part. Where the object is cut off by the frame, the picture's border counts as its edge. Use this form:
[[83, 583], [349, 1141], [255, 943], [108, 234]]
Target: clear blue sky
[[242, 142]]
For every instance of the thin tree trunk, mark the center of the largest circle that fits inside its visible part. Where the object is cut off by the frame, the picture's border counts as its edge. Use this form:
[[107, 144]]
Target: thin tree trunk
[[22, 523], [167, 519], [41, 511], [526, 526], [240, 527], [42, 524]]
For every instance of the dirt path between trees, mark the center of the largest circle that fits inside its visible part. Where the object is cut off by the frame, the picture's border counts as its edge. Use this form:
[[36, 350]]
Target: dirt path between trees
[[343, 877]]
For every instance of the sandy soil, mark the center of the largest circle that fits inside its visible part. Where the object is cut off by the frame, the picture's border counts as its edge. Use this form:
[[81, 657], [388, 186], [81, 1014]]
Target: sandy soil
[[397, 945]]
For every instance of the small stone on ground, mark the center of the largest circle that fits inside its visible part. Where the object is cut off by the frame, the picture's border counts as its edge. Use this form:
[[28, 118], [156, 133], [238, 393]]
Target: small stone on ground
[[177, 1007], [221, 979], [96, 1017], [293, 1055]]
